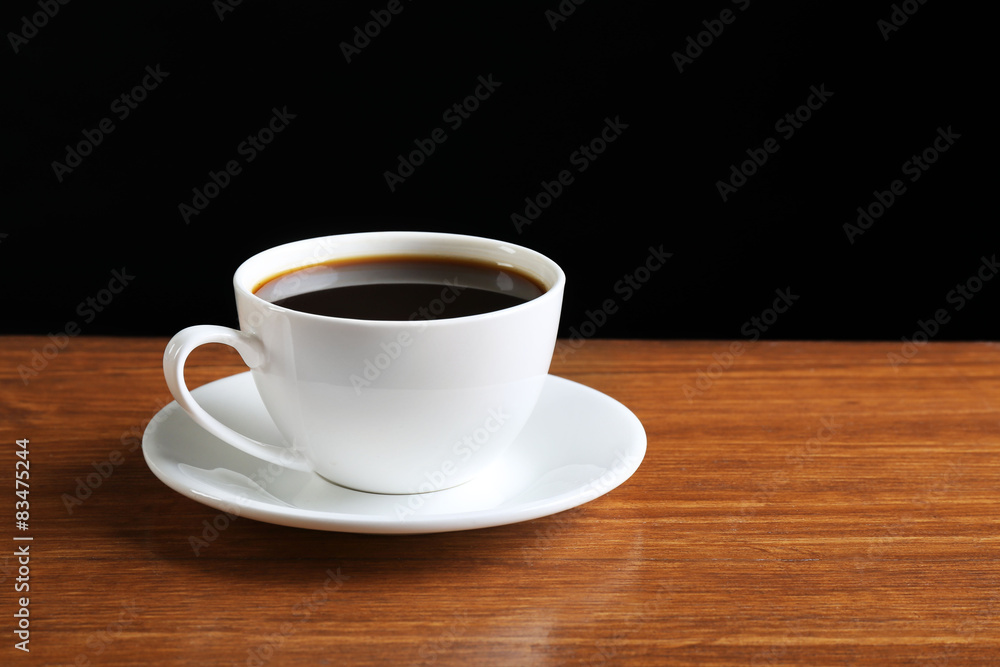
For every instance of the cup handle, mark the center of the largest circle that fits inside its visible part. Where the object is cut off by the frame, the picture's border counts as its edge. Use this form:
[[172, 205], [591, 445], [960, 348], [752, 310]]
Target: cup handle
[[250, 348]]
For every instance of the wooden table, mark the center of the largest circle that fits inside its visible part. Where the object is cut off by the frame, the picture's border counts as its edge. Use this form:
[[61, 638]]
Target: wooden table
[[800, 503]]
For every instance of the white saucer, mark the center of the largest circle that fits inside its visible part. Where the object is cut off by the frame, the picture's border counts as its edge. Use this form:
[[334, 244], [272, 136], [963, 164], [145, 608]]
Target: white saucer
[[578, 445]]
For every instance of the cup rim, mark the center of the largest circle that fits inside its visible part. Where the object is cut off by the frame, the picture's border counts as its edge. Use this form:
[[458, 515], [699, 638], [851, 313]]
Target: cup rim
[[248, 277]]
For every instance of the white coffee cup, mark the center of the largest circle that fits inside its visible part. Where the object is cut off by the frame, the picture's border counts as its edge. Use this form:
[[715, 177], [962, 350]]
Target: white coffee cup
[[391, 407]]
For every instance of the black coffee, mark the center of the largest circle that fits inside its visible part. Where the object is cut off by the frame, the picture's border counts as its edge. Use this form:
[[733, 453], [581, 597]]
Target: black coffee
[[400, 288]]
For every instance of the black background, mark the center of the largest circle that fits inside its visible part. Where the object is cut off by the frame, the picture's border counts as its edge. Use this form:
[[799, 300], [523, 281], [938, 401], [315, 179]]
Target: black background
[[656, 185]]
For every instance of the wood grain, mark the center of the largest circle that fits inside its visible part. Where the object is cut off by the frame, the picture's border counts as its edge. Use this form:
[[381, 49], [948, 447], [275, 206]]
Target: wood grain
[[800, 503]]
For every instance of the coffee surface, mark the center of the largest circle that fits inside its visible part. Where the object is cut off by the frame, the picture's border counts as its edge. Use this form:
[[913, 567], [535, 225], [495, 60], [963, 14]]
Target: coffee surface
[[400, 288]]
